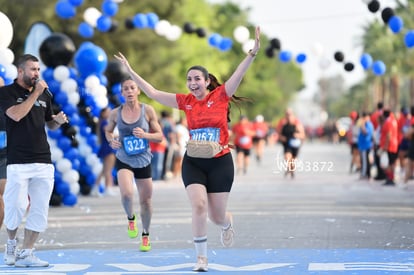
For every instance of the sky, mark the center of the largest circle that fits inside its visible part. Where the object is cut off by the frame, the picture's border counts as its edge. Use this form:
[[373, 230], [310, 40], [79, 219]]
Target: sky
[[317, 28]]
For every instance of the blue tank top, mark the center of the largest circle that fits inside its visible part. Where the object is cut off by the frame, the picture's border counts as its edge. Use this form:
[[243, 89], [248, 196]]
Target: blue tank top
[[134, 151]]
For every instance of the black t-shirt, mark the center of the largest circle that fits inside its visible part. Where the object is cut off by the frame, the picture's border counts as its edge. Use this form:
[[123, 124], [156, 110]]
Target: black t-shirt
[[26, 139]]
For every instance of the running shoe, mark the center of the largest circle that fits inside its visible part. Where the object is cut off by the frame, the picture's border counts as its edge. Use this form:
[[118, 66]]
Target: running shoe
[[29, 260], [227, 235], [145, 244], [10, 252], [201, 265], [133, 228]]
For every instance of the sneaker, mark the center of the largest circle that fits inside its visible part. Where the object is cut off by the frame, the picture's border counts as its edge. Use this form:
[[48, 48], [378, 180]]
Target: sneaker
[[133, 228], [145, 244], [227, 235], [10, 252], [201, 264], [29, 260]]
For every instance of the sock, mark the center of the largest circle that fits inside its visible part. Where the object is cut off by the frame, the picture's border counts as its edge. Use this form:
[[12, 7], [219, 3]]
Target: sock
[[145, 233], [131, 219], [201, 246], [12, 242]]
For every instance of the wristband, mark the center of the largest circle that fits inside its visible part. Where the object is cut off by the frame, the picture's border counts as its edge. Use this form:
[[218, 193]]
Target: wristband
[[251, 53]]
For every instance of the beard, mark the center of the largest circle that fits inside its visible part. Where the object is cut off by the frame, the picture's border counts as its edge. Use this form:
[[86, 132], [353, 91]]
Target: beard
[[30, 82]]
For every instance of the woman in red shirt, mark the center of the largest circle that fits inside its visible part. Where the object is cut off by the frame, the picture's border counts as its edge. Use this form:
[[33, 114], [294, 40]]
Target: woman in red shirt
[[207, 180]]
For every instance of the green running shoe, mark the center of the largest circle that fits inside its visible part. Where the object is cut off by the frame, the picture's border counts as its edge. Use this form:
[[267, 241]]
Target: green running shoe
[[145, 244], [133, 228]]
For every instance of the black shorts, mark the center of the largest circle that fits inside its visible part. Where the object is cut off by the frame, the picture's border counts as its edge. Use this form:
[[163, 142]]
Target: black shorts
[[216, 174], [245, 152], [139, 173], [289, 149]]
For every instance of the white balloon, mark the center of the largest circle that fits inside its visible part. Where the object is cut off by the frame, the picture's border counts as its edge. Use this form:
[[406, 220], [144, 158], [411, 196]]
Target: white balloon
[[248, 45], [11, 71], [69, 85], [63, 165], [57, 153], [367, 1], [241, 34], [73, 98], [91, 15], [324, 63], [97, 169], [84, 149], [74, 187], [6, 56], [70, 176], [162, 27], [318, 49], [6, 34], [101, 101], [174, 33], [92, 81], [61, 73]]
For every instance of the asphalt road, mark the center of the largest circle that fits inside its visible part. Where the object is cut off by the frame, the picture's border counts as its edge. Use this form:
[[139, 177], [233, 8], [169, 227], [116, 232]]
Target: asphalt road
[[325, 219]]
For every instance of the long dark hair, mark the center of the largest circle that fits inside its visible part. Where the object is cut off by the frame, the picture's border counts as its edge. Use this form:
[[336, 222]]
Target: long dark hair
[[214, 83]]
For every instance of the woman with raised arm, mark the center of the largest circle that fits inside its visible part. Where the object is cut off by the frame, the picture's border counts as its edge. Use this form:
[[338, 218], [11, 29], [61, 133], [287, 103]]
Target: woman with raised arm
[[208, 181]]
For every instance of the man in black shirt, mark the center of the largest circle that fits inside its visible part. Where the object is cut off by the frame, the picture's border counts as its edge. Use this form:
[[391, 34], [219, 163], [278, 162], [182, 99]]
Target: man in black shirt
[[28, 108]]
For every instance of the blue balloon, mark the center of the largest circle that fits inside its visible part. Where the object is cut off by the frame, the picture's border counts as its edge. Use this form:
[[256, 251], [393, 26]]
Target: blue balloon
[[65, 9], [285, 56], [8, 81], [225, 44], [54, 86], [409, 39], [74, 119], [64, 143], [76, 3], [55, 134], [71, 154], [69, 199], [109, 7], [85, 30], [62, 188], [366, 61], [2, 71], [140, 21], [69, 109], [76, 164], [116, 88], [152, 19], [379, 68], [48, 74], [90, 59], [215, 40], [300, 58], [61, 98], [395, 23], [104, 23]]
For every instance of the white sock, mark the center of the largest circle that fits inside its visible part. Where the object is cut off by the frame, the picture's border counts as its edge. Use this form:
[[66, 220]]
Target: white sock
[[201, 246], [12, 242]]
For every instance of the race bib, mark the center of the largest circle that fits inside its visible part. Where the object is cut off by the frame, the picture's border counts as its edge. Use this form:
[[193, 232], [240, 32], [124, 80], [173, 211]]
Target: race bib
[[3, 139], [134, 145], [245, 140], [205, 134], [294, 142]]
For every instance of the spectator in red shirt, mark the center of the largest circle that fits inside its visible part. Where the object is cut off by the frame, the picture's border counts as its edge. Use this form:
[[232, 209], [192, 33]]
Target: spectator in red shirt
[[243, 133], [389, 143]]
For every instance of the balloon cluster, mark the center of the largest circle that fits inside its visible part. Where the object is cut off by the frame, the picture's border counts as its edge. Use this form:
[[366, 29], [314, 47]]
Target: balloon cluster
[[340, 57], [102, 19], [81, 93], [8, 71], [285, 56]]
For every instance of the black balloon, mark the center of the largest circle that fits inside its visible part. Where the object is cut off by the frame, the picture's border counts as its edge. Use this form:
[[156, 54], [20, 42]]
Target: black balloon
[[270, 52], [57, 49], [374, 6], [386, 14], [129, 23], [349, 66], [339, 56], [275, 44], [201, 32], [115, 72], [188, 27]]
